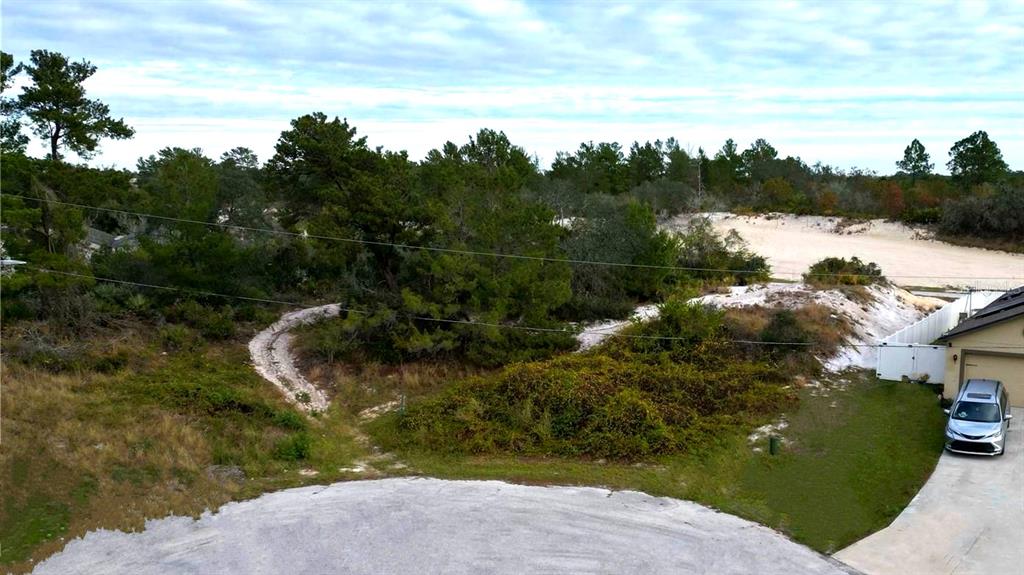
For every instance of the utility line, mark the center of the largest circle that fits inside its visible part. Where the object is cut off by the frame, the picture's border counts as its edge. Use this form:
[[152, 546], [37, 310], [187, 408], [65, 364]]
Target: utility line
[[464, 322], [482, 253]]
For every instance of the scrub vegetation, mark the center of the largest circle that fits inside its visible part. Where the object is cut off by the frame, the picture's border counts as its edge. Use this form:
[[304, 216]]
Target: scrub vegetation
[[855, 452], [843, 272], [464, 277]]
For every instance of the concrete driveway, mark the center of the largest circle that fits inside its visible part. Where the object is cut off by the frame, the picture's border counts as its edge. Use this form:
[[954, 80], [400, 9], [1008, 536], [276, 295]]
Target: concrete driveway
[[968, 518], [420, 526]]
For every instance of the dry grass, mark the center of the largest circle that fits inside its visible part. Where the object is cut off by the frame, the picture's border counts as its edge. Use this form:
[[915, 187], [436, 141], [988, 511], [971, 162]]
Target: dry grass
[[359, 387], [747, 322], [822, 326], [93, 468], [84, 449], [827, 328]]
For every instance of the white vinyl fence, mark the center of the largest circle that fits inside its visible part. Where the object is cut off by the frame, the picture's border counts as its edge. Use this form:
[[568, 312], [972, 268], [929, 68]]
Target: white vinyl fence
[[909, 352]]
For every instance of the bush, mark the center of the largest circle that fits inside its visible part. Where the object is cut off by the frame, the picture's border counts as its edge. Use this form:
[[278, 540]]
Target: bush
[[176, 337], [217, 325], [702, 248], [383, 337], [688, 331], [839, 271], [629, 407], [992, 215], [294, 447], [629, 425], [212, 324], [289, 420], [922, 216], [785, 327], [37, 350]]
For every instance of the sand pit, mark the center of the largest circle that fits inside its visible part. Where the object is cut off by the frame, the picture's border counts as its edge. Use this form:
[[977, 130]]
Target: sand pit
[[906, 255]]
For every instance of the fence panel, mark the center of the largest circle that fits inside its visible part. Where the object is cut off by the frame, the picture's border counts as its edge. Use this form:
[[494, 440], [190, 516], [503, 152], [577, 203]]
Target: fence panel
[[907, 353]]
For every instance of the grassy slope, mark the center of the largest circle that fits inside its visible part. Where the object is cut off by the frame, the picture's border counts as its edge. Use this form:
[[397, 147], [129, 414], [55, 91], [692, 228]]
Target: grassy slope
[[847, 472], [83, 450]]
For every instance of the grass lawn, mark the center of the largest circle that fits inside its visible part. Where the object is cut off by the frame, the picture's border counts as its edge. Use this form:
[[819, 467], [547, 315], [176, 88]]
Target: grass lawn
[[855, 454]]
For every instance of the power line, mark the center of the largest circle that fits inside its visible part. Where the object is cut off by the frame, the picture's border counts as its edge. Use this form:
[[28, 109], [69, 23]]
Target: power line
[[466, 322], [304, 235]]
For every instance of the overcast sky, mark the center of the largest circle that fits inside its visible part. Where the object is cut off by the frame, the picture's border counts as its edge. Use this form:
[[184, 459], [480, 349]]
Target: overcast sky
[[844, 83]]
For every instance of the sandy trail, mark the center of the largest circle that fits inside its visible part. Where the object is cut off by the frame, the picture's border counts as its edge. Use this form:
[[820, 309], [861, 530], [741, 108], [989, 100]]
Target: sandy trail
[[272, 357], [792, 243], [413, 525], [595, 333]]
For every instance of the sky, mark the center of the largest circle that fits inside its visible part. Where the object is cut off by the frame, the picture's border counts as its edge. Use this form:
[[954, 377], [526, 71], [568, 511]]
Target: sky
[[848, 84]]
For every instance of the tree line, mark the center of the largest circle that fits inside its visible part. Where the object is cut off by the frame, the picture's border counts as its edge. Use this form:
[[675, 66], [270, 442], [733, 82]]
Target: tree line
[[402, 242]]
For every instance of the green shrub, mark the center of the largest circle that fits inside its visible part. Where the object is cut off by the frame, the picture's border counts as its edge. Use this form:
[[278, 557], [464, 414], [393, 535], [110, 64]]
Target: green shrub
[[629, 425], [839, 271], [702, 248], [785, 327], [211, 323], [176, 337], [922, 216], [289, 420], [294, 447], [628, 407], [111, 362], [217, 325]]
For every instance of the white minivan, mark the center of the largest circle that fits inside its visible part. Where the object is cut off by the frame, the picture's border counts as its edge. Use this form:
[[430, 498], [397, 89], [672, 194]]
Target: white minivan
[[979, 418]]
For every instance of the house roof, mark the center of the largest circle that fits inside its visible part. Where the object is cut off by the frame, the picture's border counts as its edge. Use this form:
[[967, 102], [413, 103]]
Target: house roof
[[1008, 306]]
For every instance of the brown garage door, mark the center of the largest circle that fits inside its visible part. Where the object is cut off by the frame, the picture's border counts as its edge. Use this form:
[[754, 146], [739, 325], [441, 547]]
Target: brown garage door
[[1007, 369]]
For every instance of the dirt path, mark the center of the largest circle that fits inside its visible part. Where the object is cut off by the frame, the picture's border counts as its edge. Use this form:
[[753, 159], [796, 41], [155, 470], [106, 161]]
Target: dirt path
[[272, 358], [595, 333], [792, 243], [414, 525]]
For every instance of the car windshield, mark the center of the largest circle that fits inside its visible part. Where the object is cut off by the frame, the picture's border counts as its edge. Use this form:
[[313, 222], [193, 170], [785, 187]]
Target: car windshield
[[974, 411]]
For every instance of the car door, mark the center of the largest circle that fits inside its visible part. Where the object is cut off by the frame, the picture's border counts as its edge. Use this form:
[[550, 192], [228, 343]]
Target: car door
[[1004, 406]]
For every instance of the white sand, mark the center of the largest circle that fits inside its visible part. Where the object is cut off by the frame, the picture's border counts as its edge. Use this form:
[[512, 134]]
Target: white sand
[[906, 255], [594, 334], [435, 526], [273, 359]]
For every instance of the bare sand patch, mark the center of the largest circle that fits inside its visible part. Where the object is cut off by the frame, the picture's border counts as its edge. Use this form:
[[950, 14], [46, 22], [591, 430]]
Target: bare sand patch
[[906, 254]]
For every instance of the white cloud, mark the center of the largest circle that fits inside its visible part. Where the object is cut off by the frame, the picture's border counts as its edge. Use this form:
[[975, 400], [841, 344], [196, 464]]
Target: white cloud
[[826, 79]]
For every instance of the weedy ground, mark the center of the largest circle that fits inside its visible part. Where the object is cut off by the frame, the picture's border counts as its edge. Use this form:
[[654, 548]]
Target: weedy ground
[[129, 428]]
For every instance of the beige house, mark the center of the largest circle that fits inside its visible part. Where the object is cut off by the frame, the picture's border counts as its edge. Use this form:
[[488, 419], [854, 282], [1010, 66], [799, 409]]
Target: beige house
[[989, 345]]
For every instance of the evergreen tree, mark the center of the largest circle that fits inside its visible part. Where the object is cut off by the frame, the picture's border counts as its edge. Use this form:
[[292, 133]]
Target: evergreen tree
[[915, 160], [975, 160], [56, 106]]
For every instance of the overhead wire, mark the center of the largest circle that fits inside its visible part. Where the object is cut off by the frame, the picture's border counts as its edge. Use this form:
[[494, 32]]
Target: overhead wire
[[572, 261], [458, 321]]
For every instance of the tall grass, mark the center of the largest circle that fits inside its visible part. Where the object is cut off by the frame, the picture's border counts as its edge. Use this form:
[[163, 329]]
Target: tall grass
[[143, 437]]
